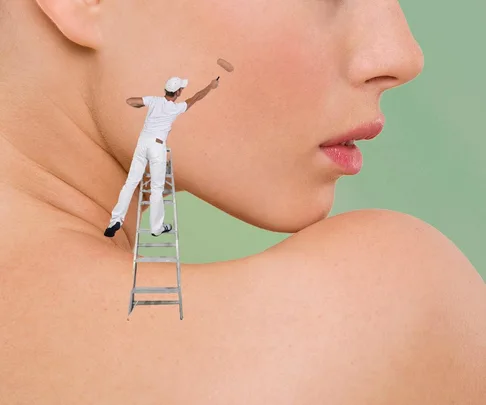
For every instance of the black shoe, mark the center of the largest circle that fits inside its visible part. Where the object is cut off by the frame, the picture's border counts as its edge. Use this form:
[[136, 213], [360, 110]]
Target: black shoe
[[110, 232], [167, 228]]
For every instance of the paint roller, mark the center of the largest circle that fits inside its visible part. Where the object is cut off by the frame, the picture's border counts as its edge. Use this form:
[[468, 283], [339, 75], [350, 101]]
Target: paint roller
[[225, 65]]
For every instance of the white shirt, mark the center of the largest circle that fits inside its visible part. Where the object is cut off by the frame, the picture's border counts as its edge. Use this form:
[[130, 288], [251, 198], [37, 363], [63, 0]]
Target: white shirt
[[160, 116]]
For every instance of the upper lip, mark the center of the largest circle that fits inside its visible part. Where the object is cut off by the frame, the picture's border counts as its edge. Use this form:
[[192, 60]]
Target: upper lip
[[368, 130]]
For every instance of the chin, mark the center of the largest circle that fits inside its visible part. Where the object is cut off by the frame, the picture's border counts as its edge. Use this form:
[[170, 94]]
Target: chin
[[285, 218], [276, 209]]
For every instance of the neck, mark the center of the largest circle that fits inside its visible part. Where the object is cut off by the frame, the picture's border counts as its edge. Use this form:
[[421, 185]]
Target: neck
[[54, 160], [52, 153]]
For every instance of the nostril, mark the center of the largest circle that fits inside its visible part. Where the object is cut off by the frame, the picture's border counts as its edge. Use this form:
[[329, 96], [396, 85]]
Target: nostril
[[381, 78]]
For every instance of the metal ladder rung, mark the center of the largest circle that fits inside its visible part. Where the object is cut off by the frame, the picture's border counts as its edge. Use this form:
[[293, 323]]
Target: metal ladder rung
[[167, 259], [165, 202], [147, 245], [155, 290], [145, 230], [160, 302], [166, 191]]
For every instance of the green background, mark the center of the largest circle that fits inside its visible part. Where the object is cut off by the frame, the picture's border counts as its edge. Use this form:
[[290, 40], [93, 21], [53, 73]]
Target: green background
[[428, 162]]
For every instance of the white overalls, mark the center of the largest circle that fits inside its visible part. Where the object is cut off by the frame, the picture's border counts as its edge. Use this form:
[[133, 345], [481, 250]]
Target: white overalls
[[151, 148]]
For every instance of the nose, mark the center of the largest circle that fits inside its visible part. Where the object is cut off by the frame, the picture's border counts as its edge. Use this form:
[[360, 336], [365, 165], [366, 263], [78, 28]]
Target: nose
[[384, 53]]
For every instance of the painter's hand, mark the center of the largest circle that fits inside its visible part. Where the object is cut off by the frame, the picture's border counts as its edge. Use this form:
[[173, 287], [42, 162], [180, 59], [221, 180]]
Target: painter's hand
[[214, 83]]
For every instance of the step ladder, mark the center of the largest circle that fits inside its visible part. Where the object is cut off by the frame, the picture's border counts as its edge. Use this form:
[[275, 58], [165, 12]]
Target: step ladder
[[169, 188]]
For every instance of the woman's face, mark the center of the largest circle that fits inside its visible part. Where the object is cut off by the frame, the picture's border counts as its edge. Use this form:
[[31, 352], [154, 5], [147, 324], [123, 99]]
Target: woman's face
[[306, 71]]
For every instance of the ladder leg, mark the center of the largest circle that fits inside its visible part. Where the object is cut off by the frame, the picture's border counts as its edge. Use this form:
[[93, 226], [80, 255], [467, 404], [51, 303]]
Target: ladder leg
[[135, 247], [181, 313], [130, 305], [176, 227]]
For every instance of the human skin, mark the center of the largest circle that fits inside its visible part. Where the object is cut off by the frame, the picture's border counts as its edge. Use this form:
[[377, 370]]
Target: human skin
[[369, 307]]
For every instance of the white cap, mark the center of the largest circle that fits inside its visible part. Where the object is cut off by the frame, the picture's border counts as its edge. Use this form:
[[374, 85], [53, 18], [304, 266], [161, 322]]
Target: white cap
[[175, 83]]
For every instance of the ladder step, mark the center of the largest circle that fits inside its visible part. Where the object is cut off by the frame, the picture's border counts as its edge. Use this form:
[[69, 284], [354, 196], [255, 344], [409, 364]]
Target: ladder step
[[144, 230], [166, 191], [166, 259], [165, 202], [156, 245], [155, 290], [135, 303]]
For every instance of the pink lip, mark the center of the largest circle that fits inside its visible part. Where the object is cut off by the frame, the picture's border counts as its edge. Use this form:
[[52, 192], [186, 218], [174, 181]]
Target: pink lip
[[369, 130], [349, 158]]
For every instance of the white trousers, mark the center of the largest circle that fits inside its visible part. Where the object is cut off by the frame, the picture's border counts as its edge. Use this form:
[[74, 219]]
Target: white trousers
[[156, 155]]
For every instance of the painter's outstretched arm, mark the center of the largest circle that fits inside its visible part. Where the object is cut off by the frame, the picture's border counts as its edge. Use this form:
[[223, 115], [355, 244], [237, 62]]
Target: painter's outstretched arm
[[202, 93], [136, 102]]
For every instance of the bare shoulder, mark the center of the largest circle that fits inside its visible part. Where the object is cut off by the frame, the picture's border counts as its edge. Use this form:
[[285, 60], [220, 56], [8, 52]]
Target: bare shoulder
[[370, 307], [399, 301], [384, 238]]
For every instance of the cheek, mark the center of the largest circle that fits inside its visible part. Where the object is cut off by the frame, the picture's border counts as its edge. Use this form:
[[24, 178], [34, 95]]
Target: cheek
[[278, 67], [278, 78], [262, 123], [276, 89]]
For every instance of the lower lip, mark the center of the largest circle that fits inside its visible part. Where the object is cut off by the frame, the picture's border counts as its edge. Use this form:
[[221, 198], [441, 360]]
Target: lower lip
[[348, 158]]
